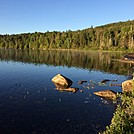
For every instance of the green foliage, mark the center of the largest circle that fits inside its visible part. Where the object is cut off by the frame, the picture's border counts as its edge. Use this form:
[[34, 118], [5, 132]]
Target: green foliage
[[116, 36], [122, 123], [123, 119]]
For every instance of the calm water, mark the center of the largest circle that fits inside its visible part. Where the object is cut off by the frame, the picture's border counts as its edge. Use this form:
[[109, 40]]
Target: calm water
[[30, 104]]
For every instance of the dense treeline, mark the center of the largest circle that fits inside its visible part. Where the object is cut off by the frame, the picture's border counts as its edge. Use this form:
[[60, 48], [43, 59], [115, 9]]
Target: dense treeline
[[115, 36]]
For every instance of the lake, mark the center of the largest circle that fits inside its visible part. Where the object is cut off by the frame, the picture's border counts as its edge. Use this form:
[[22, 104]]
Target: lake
[[30, 103]]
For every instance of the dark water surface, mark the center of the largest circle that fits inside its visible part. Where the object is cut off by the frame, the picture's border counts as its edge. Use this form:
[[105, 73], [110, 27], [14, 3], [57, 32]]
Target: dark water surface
[[30, 104]]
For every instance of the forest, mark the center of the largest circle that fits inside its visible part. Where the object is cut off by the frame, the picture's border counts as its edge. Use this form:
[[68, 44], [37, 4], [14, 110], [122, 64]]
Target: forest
[[114, 36]]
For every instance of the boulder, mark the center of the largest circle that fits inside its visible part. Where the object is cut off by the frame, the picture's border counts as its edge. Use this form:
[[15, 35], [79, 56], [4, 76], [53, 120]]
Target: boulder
[[128, 85], [109, 94], [62, 81]]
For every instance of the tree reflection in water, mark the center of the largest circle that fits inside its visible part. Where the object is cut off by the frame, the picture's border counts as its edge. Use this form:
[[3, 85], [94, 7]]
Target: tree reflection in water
[[97, 60]]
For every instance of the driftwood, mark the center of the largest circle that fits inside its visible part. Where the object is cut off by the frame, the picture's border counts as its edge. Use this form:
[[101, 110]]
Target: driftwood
[[128, 58], [126, 61]]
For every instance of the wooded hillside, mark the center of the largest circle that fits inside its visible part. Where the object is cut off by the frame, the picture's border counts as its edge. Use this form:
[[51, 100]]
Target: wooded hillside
[[115, 36]]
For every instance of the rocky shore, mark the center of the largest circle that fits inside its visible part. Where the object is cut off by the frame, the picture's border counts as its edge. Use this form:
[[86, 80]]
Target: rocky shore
[[123, 119]]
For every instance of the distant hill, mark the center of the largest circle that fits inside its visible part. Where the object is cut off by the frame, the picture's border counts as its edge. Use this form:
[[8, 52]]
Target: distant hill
[[114, 36]]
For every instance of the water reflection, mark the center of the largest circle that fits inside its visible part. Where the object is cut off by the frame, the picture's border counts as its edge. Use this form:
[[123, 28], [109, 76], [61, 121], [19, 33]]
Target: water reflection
[[29, 102], [97, 60]]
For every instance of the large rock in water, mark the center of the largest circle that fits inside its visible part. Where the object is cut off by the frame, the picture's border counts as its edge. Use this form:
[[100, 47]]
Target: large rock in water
[[62, 81], [109, 94], [128, 85]]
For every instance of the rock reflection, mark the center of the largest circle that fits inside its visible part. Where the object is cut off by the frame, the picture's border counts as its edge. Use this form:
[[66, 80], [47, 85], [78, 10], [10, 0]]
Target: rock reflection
[[62, 88]]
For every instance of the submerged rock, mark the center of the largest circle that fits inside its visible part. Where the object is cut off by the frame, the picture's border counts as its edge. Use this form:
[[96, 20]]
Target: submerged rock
[[104, 81], [62, 81], [81, 81], [128, 85], [69, 89], [81, 91], [109, 94]]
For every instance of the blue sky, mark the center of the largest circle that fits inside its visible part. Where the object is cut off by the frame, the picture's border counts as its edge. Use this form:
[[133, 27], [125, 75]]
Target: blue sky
[[23, 16]]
